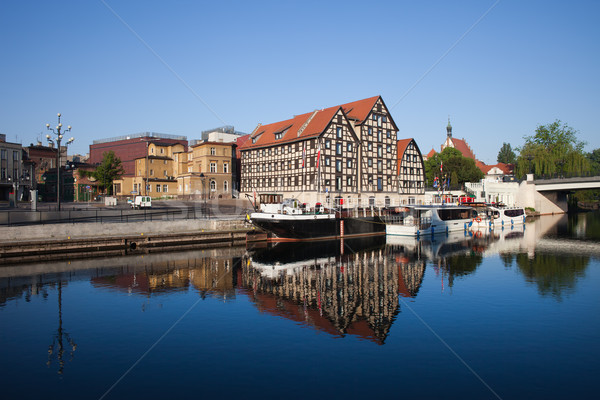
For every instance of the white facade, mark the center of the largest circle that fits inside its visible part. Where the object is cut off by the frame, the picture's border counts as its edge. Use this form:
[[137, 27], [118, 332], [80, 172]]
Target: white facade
[[491, 190]]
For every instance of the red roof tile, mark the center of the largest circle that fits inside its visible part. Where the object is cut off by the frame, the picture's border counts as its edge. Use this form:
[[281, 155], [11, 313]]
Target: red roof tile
[[307, 125], [463, 147], [431, 153]]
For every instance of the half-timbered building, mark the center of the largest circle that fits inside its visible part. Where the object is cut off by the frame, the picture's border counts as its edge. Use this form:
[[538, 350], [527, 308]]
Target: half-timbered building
[[411, 171], [346, 153]]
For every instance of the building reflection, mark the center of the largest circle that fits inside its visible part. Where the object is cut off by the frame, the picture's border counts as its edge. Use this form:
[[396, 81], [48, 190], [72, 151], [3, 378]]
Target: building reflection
[[342, 288], [209, 276]]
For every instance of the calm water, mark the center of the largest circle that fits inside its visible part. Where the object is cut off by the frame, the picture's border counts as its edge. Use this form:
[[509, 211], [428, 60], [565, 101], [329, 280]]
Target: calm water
[[513, 314]]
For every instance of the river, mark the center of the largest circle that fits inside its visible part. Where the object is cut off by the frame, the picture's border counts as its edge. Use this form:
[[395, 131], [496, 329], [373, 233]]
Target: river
[[514, 313]]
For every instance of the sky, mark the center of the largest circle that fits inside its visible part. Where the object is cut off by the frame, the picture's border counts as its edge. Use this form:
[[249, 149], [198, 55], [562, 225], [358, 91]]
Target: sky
[[497, 69]]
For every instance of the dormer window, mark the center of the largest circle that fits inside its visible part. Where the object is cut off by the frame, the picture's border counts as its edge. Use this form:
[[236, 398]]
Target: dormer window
[[255, 138], [281, 133]]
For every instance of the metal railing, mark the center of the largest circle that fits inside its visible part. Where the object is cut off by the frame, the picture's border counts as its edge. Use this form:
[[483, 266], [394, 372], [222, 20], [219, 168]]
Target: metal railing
[[23, 218]]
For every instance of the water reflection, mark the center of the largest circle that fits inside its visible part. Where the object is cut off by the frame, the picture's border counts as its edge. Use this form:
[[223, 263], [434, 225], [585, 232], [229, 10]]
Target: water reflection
[[350, 287], [342, 288]]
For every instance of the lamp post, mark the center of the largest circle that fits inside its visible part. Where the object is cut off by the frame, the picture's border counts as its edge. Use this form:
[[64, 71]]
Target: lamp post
[[59, 136], [203, 179]]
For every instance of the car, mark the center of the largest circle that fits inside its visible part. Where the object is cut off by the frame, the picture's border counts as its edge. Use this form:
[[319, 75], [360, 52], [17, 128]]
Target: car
[[141, 202]]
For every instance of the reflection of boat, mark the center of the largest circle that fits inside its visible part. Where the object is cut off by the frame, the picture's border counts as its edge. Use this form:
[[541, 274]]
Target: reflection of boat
[[424, 220], [432, 247], [496, 216], [289, 219], [287, 257]]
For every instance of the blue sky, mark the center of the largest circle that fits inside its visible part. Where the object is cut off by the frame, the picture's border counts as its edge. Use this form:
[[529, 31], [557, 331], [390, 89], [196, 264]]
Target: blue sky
[[193, 65]]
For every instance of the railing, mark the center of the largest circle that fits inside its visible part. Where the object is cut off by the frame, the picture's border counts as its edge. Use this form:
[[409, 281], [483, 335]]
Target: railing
[[565, 175], [23, 218]]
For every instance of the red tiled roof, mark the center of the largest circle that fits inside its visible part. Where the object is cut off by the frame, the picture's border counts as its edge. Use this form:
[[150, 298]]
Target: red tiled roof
[[312, 124], [431, 153], [360, 109], [462, 146]]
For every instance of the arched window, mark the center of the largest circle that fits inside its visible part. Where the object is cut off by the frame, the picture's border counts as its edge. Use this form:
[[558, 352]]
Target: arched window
[[213, 186], [226, 186]]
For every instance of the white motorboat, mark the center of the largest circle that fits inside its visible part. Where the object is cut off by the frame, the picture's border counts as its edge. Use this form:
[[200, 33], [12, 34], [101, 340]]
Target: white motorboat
[[428, 220], [498, 216]]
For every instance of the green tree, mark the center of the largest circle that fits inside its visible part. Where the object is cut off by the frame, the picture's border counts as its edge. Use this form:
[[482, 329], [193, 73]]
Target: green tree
[[506, 154], [109, 170], [553, 149], [453, 162], [594, 160]]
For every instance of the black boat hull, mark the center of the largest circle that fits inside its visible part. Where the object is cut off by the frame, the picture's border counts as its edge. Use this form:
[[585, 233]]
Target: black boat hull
[[308, 228]]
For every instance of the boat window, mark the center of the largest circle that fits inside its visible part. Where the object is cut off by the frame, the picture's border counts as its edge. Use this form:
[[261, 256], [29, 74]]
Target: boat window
[[514, 213], [448, 214]]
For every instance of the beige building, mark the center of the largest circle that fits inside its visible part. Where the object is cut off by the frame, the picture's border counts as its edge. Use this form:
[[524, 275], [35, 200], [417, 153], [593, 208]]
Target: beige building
[[155, 173], [206, 171]]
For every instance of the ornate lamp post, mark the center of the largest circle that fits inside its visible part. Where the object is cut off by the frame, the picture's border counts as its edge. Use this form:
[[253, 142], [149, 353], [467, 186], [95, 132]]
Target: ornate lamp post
[[59, 136]]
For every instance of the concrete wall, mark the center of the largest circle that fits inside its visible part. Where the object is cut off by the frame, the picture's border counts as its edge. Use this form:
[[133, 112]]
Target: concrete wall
[[58, 231], [550, 203]]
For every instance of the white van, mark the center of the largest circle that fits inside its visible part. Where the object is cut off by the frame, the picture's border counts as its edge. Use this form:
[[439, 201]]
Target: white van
[[141, 202]]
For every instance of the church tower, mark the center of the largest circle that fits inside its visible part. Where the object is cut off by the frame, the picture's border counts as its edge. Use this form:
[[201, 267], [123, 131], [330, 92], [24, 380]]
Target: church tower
[[449, 129]]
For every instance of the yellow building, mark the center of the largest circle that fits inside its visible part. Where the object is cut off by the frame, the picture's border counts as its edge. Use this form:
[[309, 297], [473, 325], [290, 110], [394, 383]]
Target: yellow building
[[155, 172], [208, 171]]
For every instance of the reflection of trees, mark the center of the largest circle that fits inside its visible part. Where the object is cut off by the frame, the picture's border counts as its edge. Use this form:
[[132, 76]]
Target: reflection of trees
[[554, 274], [507, 259], [460, 265]]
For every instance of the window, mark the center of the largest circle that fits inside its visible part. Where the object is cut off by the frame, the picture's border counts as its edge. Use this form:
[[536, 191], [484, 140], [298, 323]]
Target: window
[[370, 180], [389, 148], [384, 118], [339, 132], [263, 152], [213, 151], [213, 185], [370, 162], [162, 151], [349, 147], [338, 165], [226, 168], [338, 149], [165, 188], [327, 161], [389, 134], [151, 172], [379, 184], [213, 167], [158, 188], [379, 135], [349, 181], [379, 166], [379, 151], [328, 144], [370, 146], [370, 130], [165, 172], [349, 163], [338, 183]]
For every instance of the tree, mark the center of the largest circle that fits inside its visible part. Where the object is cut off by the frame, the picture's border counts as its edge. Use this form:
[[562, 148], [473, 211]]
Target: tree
[[553, 149], [109, 170], [453, 163], [594, 160], [506, 155]]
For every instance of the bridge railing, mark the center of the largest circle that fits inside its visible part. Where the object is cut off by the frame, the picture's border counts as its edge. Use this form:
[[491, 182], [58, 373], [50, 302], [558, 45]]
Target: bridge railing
[[565, 175]]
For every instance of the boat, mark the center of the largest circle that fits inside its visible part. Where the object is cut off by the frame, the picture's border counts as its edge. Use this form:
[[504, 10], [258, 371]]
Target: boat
[[289, 219], [418, 220], [494, 216]]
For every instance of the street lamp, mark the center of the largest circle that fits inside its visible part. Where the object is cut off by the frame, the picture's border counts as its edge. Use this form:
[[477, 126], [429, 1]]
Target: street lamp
[[203, 179], [59, 136]]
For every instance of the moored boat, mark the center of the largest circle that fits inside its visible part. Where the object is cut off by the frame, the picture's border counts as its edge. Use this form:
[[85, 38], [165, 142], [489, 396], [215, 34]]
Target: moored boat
[[288, 219], [428, 220], [498, 216]]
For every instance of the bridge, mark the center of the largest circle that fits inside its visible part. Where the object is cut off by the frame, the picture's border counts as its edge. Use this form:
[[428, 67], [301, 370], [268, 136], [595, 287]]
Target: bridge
[[549, 196]]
